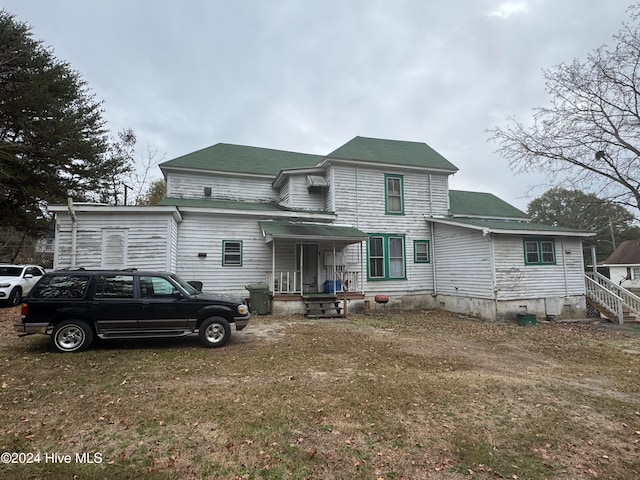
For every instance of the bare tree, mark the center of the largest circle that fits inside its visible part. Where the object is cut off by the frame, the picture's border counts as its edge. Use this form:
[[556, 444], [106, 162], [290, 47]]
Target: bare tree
[[588, 138], [141, 178]]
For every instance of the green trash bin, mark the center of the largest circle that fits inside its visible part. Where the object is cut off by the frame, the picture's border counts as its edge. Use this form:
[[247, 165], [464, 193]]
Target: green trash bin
[[259, 298]]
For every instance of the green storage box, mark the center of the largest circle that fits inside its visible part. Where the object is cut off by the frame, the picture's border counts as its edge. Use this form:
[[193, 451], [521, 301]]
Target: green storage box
[[524, 319]]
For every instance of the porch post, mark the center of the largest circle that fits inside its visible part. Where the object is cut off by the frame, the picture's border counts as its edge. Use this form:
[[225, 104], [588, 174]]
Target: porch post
[[335, 269], [273, 266], [301, 269], [362, 267]]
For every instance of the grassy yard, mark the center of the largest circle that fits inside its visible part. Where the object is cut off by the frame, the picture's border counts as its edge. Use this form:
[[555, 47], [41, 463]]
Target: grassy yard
[[411, 395]]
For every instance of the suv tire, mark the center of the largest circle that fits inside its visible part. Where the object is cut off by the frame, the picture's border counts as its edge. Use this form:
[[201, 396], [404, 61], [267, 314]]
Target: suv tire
[[72, 336], [15, 297], [214, 332]]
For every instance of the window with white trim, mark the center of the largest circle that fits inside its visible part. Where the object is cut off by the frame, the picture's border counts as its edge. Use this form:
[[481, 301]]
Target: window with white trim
[[386, 257], [421, 251], [394, 194]]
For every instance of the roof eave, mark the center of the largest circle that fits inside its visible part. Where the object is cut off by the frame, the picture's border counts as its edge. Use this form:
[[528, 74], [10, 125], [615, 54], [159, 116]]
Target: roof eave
[[293, 171], [511, 231], [485, 217], [216, 172], [329, 160]]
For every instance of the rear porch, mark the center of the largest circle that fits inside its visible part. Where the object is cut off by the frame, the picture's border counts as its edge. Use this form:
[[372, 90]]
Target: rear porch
[[316, 269]]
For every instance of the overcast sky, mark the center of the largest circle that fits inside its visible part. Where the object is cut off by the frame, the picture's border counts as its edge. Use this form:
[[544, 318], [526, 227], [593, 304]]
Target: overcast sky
[[309, 75]]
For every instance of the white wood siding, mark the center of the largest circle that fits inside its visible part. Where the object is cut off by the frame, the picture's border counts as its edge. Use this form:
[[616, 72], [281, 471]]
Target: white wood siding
[[202, 233], [283, 195], [516, 280], [300, 196], [147, 239], [222, 187], [463, 262], [440, 194], [360, 201]]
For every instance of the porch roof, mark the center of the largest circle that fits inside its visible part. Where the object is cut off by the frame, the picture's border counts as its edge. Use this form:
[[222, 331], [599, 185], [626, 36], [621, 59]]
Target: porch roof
[[311, 231]]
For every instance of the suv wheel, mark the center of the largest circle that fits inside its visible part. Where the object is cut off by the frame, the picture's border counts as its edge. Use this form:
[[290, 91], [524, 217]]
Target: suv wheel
[[214, 332], [15, 296], [72, 336]]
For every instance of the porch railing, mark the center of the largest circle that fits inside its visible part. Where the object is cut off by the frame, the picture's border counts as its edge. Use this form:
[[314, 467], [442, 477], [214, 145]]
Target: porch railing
[[285, 283], [289, 282]]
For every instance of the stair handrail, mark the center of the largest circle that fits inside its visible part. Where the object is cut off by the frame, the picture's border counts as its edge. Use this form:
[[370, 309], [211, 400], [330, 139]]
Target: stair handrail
[[629, 299], [605, 298]]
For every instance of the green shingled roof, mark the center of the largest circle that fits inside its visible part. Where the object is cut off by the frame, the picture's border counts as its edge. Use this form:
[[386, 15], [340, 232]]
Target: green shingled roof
[[224, 157], [463, 203], [415, 154]]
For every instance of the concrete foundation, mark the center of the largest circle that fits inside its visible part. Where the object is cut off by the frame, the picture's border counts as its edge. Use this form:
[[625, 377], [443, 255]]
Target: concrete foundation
[[488, 309]]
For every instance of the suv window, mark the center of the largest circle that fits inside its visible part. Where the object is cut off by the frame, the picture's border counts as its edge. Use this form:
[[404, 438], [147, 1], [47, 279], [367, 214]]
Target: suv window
[[35, 271], [114, 286], [155, 287], [61, 286]]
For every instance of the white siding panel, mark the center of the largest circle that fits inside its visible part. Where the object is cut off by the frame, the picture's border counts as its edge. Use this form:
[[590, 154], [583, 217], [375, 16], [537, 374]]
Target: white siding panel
[[463, 262], [147, 242], [360, 201], [440, 194], [283, 196], [300, 196], [201, 233], [222, 187], [516, 280]]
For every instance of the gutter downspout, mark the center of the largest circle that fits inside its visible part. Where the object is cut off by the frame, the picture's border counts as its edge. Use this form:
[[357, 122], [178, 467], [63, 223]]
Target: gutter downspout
[[432, 227], [74, 232]]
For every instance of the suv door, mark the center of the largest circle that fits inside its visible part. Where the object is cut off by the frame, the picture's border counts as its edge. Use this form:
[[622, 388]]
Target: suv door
[[164, 306], [114, 306], [31, 276]]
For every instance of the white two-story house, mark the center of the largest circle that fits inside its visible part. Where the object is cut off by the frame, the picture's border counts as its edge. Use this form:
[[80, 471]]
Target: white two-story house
[[372, 217]]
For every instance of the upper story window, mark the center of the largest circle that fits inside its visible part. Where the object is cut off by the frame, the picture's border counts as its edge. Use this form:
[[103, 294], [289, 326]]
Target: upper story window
[[394, 194], [539, 252]]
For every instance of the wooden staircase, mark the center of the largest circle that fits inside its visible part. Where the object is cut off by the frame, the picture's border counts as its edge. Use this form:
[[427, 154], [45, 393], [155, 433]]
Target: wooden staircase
[[322, 306], [616, 303]]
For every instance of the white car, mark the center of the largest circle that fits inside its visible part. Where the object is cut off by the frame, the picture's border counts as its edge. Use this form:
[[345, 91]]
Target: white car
[[16, 281]]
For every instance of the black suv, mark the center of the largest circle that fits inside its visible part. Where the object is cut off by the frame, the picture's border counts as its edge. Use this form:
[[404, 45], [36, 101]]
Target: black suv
[[75, 306]]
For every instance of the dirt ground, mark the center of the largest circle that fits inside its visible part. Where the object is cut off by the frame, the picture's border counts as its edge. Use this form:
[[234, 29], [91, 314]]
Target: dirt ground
[[384, 395]]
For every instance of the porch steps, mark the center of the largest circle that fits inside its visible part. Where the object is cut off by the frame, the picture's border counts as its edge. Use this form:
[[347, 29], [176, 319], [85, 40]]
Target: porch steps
[[322, 306]]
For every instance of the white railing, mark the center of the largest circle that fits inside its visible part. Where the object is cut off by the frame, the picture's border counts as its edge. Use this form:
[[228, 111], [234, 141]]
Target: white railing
[[611, 296], [288, 283], [284, 283], [348, 281]]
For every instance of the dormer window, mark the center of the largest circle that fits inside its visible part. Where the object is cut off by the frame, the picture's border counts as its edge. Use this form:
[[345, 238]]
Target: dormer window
[[316, 184]]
